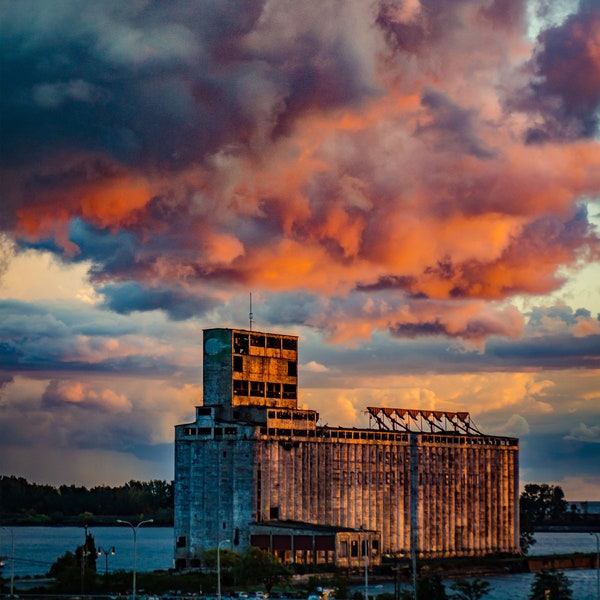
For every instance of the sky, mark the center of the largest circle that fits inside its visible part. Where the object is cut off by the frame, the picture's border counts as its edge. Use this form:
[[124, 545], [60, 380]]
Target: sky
[[410, 186]]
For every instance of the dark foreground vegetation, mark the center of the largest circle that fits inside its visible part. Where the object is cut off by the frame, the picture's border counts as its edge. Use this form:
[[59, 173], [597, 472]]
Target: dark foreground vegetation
[[24, 503], [75, 574], [79, 573]]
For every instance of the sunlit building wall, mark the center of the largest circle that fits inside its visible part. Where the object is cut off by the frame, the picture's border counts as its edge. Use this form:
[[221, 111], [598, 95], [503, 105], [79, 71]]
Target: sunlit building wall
[[256, 470]]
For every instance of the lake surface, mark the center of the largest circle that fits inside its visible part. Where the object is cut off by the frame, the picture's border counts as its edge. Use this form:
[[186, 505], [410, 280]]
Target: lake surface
[[36, 548]]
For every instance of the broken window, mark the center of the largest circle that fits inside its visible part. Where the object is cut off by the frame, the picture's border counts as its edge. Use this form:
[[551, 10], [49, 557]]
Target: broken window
[[240, 343], [289, 391], [240, 387], [273, 390], [290, 344], [257, 388], [273, 342]]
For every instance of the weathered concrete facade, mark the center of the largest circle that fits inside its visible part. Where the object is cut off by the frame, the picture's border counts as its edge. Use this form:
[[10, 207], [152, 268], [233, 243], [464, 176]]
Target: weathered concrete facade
[[252, 463]]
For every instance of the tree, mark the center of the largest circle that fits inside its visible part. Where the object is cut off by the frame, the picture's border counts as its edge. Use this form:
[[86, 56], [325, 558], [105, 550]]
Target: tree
[[526, 537], [227, 558], [470, 590], [257, 566], [76, 571], [431, 587], [551, 585], [542, 502]]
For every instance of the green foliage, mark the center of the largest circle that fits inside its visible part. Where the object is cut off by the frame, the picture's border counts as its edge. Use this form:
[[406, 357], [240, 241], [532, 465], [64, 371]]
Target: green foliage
[[550, 585], [227, 558], [431, 587], [257, 566], [470, 590], [338, 583]]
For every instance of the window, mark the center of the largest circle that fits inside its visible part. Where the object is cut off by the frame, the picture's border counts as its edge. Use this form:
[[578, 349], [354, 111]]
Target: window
[[273, 390], [257, 388], [238, 363], [289, 344], [354, 548], [289, 391], [343, 549], [240, 343], [181, 541], [240, 387], [273, 342], [257, 340], [203, 410], [274, 512], [292, 368]]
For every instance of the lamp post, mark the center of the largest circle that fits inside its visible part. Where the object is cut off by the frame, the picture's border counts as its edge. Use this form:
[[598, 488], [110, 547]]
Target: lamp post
[[106, 552], [597, 536], [84, 555], [365, 550], [134, 528], [12, 560], [219, 567]]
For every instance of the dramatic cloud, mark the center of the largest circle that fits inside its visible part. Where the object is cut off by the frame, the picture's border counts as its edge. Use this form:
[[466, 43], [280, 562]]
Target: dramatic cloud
[[410, 185]]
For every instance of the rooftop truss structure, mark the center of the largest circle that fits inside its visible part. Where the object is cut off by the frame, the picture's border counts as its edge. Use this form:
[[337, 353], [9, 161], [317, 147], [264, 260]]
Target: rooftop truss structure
[[421, 421]]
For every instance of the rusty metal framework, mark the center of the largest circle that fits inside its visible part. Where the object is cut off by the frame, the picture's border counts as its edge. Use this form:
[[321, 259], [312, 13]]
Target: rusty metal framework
[[421, 421]]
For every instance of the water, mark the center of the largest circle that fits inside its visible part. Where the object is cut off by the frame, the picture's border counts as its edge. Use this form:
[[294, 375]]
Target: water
[[513, 587], [36, 548]]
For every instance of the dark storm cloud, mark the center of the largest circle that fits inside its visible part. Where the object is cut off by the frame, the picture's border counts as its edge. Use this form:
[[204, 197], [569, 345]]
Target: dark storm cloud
[[152, 83], [453, 124], [547, 352], [36, 337], [188, 151], [177, 303], [551, 453], [134, 81], [566, 85]]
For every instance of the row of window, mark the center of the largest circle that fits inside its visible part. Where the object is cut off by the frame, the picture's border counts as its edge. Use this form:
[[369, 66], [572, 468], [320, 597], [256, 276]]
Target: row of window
[[261, 389], [243, 341], [377, 435], [295, 416], [463, 439], [218, 431]]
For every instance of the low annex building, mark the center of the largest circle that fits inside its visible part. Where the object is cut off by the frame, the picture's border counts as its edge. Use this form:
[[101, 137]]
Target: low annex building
[[254, 469]]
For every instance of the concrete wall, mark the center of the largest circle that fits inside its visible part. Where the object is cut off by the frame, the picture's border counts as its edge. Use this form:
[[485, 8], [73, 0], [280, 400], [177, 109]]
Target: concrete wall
[[457, 498]]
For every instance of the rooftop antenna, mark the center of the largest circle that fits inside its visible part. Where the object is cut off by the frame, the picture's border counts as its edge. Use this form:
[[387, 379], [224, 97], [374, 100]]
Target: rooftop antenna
[[251, 314]]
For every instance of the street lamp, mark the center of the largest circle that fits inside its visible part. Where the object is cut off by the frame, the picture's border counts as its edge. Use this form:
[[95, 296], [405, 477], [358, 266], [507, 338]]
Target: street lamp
[[219, 567], [366, 552], [597, 536], [134, 528], [12, 560], [106, 552]]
